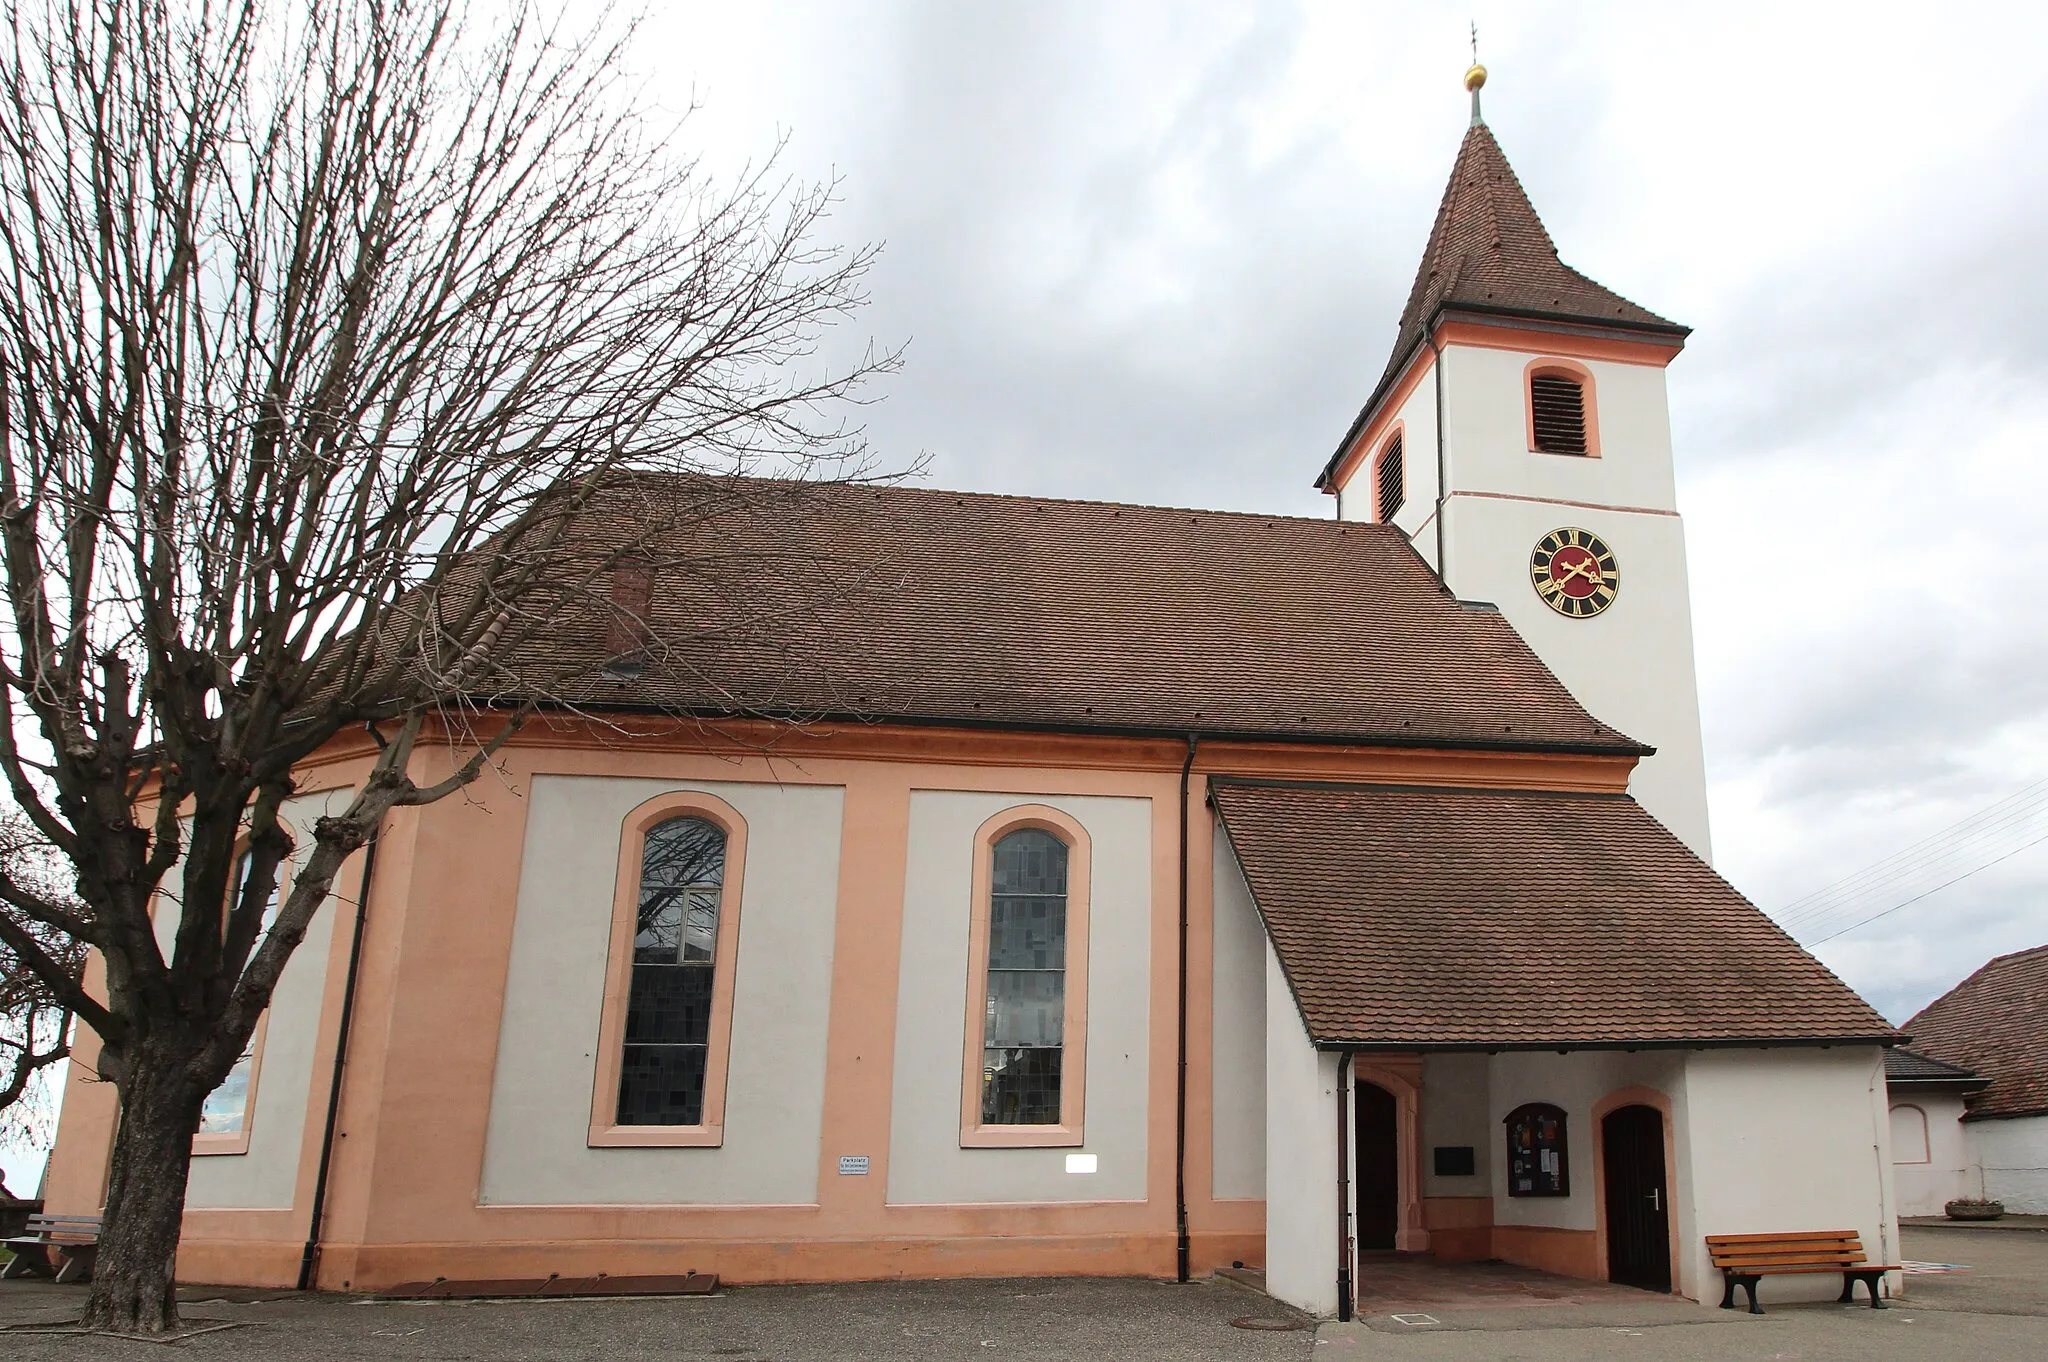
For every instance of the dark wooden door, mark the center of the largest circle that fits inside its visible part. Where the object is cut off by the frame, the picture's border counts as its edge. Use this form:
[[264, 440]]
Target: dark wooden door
[[1379, 1168], [1638, 1198]]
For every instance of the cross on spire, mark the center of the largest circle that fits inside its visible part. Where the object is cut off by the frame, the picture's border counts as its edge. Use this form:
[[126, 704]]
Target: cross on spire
[[1476, 76]]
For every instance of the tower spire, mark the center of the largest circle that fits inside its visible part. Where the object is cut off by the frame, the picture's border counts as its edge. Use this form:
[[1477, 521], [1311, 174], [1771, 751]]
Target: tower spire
[[1475, 77]]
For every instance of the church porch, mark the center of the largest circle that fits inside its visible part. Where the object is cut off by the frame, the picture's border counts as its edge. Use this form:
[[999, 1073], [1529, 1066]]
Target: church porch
[[1532, 1026]]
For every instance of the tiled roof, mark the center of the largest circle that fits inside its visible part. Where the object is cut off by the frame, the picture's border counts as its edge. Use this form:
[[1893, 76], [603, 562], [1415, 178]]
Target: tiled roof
[[894, 603], [1910, 1066], [1481, 918], [1996, 1023], [1489, 252]]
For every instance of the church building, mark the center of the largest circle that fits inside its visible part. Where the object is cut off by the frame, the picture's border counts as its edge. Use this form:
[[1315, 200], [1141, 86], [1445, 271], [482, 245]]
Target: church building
[[1127, 891]]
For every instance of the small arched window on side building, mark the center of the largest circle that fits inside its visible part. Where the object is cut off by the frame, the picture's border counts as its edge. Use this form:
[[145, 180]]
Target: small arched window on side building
[[1390, 481], [1909, 1134], [1561, 411]]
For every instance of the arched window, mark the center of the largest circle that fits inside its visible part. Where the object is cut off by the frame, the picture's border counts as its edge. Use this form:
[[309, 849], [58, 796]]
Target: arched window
[[1391, 481], [1557, 413], [1026, 1047], [667, 1040], [1909, 1134], [1023, 1032], [225, 1116]]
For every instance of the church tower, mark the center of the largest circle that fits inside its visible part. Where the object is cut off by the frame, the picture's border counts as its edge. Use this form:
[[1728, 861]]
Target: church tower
[[1520, 436]]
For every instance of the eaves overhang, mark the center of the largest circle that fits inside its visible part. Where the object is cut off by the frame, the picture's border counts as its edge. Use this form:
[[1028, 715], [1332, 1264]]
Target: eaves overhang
[[1598, 328]]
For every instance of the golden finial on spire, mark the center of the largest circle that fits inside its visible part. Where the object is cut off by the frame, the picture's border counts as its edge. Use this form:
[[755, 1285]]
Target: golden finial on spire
[[1476, 77]]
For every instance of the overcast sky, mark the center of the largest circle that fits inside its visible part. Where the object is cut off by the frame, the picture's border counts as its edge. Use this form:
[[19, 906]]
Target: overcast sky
[[1156, 252]]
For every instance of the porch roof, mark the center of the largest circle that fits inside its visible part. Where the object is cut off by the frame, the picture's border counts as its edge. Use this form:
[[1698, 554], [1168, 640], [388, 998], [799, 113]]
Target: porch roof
[[1433, 918]]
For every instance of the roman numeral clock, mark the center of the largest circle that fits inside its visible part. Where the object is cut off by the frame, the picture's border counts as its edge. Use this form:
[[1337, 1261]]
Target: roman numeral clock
[[1574, 572]]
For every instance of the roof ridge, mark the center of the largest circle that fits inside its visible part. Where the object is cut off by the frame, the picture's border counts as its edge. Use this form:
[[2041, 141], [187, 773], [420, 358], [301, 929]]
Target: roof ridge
[[1411, 787], [1026, 498]]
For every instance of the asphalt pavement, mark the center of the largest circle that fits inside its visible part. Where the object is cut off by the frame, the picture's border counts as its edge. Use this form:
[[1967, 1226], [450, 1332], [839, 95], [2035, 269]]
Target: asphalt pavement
[[1990, 1306]]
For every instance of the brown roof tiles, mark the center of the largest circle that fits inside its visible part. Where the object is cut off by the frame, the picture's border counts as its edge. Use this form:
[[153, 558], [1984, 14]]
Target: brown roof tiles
[[895, 603], [1488, 252], [1996, 1023], [1424, 918]]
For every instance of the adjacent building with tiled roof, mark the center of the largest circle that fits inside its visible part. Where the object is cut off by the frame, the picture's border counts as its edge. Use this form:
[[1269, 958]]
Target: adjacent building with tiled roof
[[1970, 1099], [895, 882], [1995, 1024]]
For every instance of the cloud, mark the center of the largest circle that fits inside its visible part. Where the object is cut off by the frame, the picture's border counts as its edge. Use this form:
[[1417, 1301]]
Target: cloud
[[1156, 252]]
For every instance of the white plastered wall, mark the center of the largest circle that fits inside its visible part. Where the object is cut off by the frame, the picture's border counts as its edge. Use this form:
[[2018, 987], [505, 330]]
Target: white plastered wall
[[1790, 1139], [1578, 1082], [2013, 1153], [1237, 1033], [1633, 665], [537, 1151], [1486, 433], [266, 1176], [1417, 418], [1301, 1156], [1926, 1185], [1456, 1110], [927, 1166]]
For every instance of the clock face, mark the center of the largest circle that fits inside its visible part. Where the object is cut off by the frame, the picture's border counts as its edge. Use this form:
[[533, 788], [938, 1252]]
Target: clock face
[[1574, 572]]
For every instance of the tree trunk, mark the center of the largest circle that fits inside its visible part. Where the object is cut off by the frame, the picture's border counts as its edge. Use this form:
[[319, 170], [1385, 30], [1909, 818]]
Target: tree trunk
[[132, 1287]]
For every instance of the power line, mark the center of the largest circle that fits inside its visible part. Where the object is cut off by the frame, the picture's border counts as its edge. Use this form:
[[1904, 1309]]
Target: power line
[[1937, 889], [1985, 822], [1955, 853]]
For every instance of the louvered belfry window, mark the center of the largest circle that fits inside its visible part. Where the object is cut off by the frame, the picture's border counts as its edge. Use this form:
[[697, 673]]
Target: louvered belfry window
[[1393, 487], [1558, 402]]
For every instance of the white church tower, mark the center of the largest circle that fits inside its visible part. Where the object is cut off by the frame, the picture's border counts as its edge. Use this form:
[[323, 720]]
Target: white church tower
[[1520, 435]]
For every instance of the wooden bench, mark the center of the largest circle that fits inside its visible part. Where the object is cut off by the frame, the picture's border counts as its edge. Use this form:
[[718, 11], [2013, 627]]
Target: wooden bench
[[76, 1236], [1745, 1258]]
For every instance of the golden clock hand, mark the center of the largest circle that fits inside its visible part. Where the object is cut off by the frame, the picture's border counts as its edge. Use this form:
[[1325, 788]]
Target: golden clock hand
[[1578, 569]]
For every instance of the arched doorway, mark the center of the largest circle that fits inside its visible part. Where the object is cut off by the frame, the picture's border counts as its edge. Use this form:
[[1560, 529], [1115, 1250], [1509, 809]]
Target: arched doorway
[[1378, 1145], [1638, 1195]]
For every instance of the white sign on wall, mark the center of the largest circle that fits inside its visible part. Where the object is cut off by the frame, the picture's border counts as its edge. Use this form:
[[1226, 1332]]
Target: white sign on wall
[[853, 1165]]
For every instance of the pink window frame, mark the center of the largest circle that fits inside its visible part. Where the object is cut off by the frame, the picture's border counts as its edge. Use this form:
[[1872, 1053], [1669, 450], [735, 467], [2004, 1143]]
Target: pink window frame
[[1074, 1040], [1926, 1135], [1398, 436], [1578, 373], [605, 1130], [237, 1141]]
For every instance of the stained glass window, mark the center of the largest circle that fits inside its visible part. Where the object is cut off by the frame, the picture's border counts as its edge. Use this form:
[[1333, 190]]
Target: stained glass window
[[675, 947], [226, 1109], [1023, 1033]]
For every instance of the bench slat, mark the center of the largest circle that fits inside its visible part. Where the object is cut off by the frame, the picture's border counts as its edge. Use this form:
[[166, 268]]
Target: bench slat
[[1791, 1260], [1793, 1271], [1788, 1236]]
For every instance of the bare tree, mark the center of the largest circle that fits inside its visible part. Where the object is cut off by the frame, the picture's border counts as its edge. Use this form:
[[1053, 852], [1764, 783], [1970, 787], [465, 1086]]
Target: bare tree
[[35, 1023], [322, 325]]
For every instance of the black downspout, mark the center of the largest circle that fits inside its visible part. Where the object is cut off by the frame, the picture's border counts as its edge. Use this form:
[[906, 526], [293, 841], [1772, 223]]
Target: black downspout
[[1180, 1103], [1443, 491], [310, 1257], [1343, 1188]]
